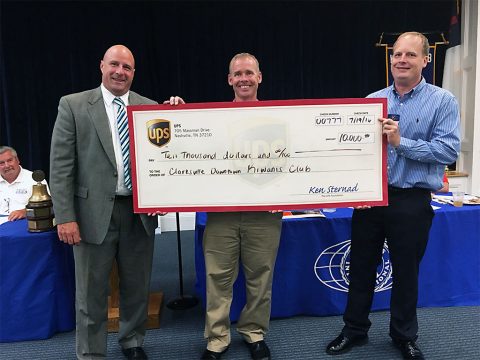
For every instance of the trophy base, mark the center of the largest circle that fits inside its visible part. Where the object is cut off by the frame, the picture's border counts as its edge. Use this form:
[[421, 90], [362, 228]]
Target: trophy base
[[36, 225]]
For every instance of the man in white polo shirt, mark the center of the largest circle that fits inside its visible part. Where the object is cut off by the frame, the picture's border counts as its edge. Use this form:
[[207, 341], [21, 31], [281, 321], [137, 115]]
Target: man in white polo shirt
[[15, 185]]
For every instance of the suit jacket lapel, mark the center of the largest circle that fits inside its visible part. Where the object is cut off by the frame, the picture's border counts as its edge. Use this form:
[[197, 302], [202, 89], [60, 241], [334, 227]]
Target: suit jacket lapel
[[99, 118]]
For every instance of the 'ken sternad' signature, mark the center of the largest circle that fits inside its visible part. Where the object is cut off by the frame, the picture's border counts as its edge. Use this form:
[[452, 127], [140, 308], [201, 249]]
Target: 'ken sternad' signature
[[333, 189]]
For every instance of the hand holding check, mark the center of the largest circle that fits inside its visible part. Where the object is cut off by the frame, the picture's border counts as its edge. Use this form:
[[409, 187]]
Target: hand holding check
[[391, 129], [174, 100]]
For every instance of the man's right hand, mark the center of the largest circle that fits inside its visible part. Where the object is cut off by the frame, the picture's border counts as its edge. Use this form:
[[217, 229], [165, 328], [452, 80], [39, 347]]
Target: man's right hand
[[174, 100], [69, 233], [17, 215]]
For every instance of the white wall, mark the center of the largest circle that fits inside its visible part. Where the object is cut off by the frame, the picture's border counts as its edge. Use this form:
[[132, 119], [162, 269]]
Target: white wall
[[469, 98], [474, 186]]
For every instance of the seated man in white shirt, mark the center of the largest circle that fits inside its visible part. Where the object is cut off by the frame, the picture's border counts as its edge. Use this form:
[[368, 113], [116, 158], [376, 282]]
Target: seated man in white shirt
[[15, 185]]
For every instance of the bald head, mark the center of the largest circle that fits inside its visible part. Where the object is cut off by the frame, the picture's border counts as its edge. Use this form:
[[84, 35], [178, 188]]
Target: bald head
[[118, 69], [118, 50]]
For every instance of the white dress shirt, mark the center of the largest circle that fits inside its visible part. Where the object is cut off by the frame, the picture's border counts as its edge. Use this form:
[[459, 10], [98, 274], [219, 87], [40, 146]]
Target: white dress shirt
[[110, 107]]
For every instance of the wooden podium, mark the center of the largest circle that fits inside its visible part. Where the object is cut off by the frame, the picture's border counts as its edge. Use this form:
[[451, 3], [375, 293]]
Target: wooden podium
[[154, 304]]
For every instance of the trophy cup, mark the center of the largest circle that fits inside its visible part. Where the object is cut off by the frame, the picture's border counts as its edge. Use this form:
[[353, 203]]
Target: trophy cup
[[39, 208]]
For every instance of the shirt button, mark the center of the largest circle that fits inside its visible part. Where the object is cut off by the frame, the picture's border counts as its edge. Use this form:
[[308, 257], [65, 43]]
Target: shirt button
[[115, 174]]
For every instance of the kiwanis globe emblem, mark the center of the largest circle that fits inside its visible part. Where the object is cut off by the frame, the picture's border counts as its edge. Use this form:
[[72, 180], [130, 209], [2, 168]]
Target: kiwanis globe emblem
[[332, 268]]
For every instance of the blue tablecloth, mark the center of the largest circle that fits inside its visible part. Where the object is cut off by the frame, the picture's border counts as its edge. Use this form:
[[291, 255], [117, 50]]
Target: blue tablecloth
[[37, 284], [312, 264]]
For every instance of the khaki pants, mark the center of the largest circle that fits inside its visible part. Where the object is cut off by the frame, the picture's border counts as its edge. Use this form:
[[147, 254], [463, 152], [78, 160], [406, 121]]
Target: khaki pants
[[252, 237]]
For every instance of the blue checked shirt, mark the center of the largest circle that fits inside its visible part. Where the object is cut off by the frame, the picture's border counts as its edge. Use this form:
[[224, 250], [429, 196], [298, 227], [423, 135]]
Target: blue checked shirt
[[429, 123]]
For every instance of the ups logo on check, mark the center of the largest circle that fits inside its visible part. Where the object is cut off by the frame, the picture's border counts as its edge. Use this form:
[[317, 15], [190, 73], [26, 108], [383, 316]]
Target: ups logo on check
[[159, 132]]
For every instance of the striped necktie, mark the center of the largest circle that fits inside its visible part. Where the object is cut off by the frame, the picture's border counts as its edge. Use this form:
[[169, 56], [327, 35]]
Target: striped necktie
[[122, 125]]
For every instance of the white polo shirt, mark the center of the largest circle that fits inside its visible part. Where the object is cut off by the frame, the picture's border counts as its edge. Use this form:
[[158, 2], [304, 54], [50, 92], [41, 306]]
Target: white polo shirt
[[15, 196]]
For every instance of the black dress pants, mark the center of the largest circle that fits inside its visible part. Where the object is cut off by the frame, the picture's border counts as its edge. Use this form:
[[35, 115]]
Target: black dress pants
[[405, 224]]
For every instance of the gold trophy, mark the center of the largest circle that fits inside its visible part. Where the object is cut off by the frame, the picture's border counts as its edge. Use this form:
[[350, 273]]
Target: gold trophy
[[39, 208]]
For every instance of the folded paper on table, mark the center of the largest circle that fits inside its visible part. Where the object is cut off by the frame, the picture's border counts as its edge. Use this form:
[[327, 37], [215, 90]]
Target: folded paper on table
[[265, 155]]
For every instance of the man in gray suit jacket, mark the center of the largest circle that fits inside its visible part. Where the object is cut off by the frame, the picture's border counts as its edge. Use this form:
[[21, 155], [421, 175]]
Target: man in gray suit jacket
[[92, 198]]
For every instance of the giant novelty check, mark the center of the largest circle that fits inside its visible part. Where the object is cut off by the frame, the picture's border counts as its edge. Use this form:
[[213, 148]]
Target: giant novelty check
[[263, 155]]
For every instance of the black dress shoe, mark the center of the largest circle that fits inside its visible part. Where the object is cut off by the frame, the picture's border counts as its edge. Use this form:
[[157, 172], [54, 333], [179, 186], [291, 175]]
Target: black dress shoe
[[409, 349], [342, 344], [259, 350], [212, 355], [135, 353]]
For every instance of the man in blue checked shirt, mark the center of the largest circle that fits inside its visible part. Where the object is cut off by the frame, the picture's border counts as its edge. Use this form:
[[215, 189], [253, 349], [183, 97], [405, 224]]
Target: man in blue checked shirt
[[422, 131]]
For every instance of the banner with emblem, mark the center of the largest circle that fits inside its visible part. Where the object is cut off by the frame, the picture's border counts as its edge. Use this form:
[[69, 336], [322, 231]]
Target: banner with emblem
[[264, 155]]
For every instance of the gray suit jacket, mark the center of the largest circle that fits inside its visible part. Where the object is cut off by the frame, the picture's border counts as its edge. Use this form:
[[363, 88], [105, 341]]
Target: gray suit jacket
[[83, 171]]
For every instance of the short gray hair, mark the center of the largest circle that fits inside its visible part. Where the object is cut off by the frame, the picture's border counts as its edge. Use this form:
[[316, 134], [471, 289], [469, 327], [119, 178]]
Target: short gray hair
[[4, 149]]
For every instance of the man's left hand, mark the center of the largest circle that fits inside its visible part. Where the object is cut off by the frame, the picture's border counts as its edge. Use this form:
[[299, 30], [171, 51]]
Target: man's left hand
[[390, 128]]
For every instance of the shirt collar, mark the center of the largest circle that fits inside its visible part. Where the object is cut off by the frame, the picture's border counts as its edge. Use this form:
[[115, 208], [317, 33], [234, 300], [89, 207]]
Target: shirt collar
[[415, 90], [108, 96]]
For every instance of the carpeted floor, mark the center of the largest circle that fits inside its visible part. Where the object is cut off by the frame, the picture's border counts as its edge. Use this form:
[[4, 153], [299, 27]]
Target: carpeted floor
[[445, 333]]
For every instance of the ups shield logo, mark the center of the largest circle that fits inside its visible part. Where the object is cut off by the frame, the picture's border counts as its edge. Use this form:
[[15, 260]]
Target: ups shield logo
[[158, 132]]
